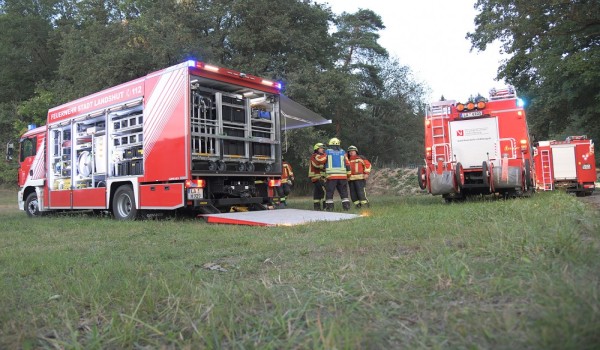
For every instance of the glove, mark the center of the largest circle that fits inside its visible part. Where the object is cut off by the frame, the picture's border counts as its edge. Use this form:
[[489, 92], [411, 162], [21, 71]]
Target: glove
[[290, 183]]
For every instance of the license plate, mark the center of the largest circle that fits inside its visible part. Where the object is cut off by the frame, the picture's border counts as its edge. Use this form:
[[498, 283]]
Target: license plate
[[195, 193], [471, 114], [586, 166]]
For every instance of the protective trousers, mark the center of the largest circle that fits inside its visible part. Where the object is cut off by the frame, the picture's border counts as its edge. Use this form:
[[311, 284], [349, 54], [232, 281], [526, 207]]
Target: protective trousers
[[342, 187], [358, 192], [283, 191], [318, 194]]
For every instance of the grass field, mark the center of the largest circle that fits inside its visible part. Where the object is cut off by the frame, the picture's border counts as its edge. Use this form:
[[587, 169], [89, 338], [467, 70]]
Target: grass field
[[415, 273]]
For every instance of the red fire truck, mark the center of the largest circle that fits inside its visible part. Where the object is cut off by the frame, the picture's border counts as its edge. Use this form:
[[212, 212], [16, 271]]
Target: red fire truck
[[478, 147], [568, 164], [191, 137]]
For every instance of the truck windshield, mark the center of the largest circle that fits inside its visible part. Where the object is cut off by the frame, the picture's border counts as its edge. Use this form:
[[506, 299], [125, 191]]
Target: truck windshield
[[28, 147]]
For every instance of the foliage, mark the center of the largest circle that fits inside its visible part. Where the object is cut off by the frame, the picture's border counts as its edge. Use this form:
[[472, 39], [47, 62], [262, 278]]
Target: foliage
[[66, 49], [26, 54], [8, 169], [555, 59]]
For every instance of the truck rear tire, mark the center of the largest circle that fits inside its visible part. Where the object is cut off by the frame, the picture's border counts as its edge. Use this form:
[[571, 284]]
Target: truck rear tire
[[527, 175], [422, 177], [123, 207], [459, 175], [485, 174], [32, 205]]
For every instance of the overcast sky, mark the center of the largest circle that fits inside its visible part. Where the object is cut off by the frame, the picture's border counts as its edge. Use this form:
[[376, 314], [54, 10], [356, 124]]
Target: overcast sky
[[429, 37]]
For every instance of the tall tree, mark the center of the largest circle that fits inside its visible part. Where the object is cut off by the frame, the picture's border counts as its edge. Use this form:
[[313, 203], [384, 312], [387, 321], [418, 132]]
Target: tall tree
[[358, 49], [391, 127], [357, 37], [26, 54], [555, 59]]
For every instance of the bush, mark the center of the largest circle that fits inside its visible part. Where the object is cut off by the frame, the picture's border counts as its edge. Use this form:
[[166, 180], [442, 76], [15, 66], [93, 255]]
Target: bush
[[8, 173]]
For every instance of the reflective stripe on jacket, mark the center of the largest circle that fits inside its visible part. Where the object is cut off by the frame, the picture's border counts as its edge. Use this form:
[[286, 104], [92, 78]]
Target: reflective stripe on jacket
[[316, 166], [287, 172], [337, 165], [359, 166]]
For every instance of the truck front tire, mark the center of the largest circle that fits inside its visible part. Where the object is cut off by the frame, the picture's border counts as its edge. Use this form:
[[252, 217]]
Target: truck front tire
[[32, 205]]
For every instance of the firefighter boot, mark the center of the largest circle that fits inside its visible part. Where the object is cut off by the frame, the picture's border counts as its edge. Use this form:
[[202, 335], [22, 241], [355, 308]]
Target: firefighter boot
[[346, 205], [329, 206], [317, 206]]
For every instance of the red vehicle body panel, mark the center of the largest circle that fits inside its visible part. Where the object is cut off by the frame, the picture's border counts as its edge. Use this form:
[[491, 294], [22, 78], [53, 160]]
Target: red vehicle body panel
[[165, 146], [27, 167], [161, 196]]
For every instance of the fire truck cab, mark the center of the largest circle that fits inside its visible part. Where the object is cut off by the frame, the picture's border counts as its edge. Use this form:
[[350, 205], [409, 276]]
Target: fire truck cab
[[478, 147], [191, 137], [568, 164]]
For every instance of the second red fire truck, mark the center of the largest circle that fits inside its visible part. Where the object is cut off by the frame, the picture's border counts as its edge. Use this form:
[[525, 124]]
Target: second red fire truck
[[192, 137], [568, 164], [478, 147]]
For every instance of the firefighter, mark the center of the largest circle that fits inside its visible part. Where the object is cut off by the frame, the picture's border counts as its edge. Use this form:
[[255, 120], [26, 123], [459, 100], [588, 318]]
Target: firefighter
[[337, 168], [360, 168], [287, 178], [317, 175]]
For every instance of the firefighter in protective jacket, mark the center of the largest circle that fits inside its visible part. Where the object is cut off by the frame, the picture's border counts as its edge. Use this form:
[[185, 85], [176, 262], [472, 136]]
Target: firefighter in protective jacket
[[287, 178], [360, 168], [337, 169], [317, 175]]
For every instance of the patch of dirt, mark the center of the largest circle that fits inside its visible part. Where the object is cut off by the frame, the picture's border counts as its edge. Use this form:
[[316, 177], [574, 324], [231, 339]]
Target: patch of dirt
[[398, 181], [593, 200]]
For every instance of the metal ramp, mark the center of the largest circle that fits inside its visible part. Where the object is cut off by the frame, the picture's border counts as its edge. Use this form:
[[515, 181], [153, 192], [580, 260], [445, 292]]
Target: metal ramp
[[279, 217]]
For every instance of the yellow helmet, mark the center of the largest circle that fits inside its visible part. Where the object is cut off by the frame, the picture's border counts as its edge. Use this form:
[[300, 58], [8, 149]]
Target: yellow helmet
[[334, 142], [318, 145], [352, 148]]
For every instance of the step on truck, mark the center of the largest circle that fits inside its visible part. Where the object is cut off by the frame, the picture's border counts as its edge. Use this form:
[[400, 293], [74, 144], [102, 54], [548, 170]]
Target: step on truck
[[477, 148], [568, 165], [192, 137]]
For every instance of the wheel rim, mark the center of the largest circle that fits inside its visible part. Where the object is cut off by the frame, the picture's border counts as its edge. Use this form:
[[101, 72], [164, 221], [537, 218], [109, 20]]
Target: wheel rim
[[124, 205], [32, 207]]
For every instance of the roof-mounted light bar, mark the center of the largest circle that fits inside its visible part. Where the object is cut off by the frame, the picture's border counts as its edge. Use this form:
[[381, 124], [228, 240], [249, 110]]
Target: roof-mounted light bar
[[215, 69], [270, 83], [470, 106]]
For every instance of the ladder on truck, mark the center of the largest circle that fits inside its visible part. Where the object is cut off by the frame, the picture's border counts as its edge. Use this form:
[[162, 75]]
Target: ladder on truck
[[547, 181], [438, 116]]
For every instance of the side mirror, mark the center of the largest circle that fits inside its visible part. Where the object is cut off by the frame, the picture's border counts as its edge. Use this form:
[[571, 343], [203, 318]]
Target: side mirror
[[10, 148]]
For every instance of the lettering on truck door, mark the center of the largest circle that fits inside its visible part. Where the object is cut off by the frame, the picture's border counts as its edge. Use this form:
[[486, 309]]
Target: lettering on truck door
[[473, 140]]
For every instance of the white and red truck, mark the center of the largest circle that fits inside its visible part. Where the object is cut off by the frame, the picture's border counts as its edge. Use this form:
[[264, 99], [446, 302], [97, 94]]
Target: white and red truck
[[568, 164], [191, 137], [479, 147]]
